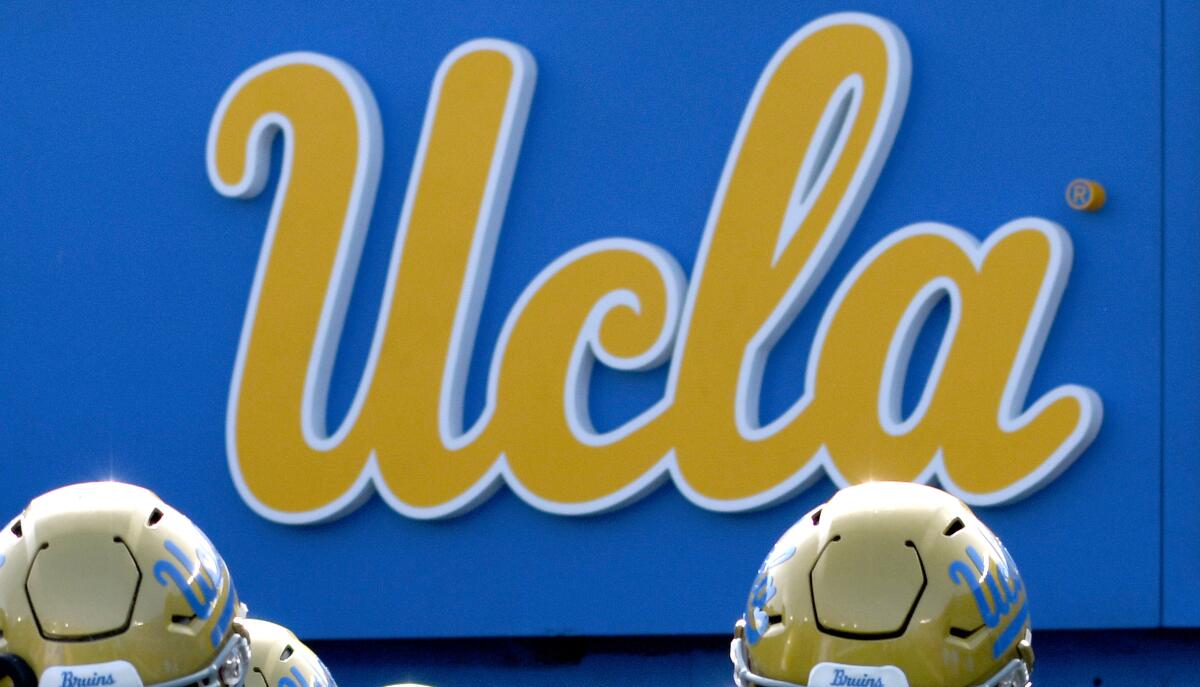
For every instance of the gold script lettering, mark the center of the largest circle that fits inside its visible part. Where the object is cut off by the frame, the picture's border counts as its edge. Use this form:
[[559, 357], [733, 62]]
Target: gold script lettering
[[809, 148]]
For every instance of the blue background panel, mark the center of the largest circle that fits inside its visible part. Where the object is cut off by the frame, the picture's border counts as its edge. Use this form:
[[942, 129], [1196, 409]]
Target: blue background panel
[[1181, 316], [125, 279]]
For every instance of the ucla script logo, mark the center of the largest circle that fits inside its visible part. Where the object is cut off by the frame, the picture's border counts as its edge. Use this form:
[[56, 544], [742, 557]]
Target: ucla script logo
[[812, 141], [761, 593], [200, 583], [998, 591]]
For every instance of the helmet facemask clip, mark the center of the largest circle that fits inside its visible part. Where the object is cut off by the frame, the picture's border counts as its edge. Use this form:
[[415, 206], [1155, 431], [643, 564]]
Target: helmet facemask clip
[[16, 669]]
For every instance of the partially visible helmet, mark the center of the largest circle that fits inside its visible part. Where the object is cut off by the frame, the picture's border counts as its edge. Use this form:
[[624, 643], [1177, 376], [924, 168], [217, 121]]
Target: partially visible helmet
[[886, 585], [104, 585], [278, 659]]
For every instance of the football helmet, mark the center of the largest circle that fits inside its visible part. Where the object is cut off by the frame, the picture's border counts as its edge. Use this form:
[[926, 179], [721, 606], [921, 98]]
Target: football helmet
[[886, 585], [278, 659], [104, 585]]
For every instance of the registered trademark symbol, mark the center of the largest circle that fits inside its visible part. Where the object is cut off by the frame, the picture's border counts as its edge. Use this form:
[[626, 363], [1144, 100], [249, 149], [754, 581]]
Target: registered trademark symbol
[[1085, 195]]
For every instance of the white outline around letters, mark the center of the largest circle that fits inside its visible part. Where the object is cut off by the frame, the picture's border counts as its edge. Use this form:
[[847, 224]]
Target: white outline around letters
[[672, 340]]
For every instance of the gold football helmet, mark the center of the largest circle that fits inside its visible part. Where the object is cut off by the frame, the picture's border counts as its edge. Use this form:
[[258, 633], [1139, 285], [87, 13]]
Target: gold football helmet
[[104, 585], [886, 585], [278, 659]]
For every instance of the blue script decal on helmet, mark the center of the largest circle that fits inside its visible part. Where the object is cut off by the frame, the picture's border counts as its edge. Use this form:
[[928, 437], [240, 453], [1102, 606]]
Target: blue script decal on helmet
[[300, 681], [203, 600], [762, 592], [1005, 600]]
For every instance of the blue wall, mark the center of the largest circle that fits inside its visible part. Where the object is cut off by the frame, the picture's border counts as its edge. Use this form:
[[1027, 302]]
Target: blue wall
[[124, 279], [1181, 325]]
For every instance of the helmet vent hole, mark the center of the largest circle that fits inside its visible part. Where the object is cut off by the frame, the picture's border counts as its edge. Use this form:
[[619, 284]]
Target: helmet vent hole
[[774, 619], [955, 525], [964, 633], [118, 540], [16, 529], [836, 537], [182, 619], [287, 653], [155, 516], [816, 517]]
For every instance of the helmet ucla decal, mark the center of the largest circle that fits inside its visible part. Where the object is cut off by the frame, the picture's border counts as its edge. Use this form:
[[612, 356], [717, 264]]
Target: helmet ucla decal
[[1003, 600], [761, 592], [204, 599]]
